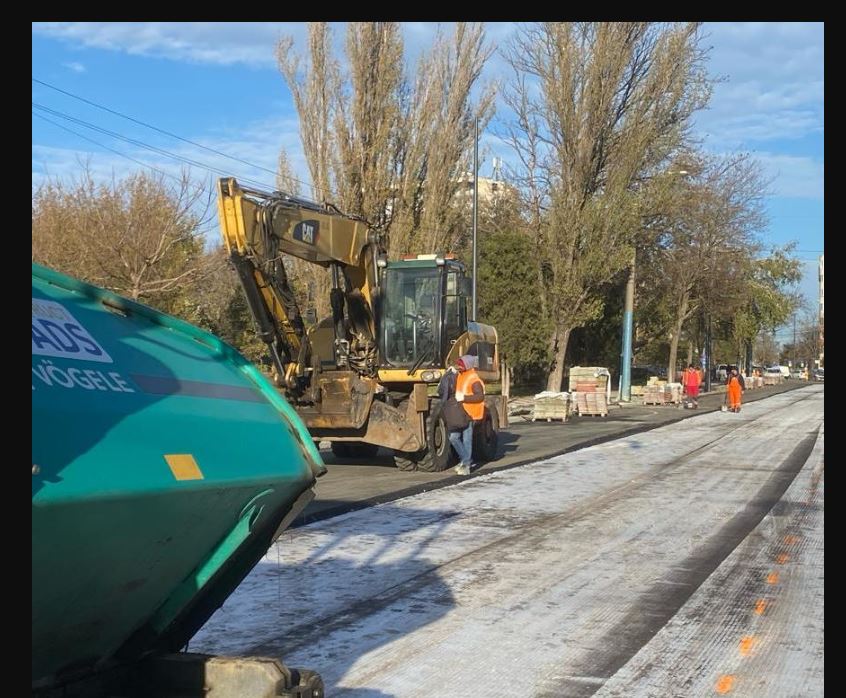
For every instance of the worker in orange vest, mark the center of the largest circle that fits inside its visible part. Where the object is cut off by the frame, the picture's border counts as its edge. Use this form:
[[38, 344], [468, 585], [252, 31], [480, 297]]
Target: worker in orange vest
[[690, 381], [470, 392]]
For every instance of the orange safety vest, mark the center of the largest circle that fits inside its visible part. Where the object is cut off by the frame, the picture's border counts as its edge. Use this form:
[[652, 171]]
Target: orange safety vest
[[464, 384]]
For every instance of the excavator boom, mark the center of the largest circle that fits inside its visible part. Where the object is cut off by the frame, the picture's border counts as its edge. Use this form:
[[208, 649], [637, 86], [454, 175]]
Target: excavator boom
[[260, 230]]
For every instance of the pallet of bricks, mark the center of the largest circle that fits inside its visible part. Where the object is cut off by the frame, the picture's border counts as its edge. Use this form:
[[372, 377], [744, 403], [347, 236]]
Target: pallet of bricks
[[587, 390], [658, 392], [550, 405]]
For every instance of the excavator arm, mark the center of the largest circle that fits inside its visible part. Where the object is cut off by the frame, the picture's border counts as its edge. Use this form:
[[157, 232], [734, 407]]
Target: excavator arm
[[260, 230]]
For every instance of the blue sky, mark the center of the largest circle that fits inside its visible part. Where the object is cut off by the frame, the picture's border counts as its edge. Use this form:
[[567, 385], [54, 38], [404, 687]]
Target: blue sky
[[217, 84]]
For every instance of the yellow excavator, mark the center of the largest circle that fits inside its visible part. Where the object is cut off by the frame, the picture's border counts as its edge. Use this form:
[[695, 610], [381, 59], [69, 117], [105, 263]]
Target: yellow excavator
[[367, 375]]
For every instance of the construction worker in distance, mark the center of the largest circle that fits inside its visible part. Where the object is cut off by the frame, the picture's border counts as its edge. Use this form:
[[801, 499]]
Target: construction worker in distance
[[470, 392], [690, 380], [734, 390]]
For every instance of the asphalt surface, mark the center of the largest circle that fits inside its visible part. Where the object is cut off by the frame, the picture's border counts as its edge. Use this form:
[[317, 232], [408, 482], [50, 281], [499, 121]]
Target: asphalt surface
[[355, 484], [683, 561]]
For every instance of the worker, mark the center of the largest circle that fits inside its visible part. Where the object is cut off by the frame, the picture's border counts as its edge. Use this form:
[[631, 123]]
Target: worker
[[690, 381], [470, 392], [734, 390]]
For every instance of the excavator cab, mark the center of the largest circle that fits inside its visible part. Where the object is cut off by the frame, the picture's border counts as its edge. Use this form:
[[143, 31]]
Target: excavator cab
[[423, 312]]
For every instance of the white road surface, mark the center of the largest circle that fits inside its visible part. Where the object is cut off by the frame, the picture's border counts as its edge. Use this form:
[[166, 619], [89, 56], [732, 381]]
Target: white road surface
[[683, 561]]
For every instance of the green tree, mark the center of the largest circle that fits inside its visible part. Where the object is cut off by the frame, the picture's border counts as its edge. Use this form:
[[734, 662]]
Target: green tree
[[508, 300], [598, 106]]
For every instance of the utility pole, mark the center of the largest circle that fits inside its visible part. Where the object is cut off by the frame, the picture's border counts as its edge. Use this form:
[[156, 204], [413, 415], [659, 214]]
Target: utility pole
[[628, 323], [475, 212], [794, 341], [708, 354]]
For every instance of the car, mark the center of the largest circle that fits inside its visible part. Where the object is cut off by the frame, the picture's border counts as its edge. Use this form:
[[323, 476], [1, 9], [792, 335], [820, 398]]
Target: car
[[818, 374], [721, 372], [773, 372], [641, 374], [785, 371]]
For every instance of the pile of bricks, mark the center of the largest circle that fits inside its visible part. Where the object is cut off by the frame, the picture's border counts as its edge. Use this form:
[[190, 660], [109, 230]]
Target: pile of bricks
[[550, 405], [591, 403]]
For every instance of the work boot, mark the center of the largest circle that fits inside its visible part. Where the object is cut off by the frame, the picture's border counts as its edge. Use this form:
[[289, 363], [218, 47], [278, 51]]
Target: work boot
[[462, 469]]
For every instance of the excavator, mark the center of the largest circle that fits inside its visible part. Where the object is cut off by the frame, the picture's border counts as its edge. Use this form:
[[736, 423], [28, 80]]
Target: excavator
[[365, 376]]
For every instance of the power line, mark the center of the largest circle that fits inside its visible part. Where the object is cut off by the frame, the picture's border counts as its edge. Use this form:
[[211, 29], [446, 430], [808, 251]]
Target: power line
[[141, 144], [158, 150], [177, 136], [101, 145], [154, 128]]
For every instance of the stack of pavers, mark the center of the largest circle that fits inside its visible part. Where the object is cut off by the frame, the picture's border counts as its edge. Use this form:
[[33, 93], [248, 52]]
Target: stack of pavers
[[550, 405], [653, 394], [660, 392], [587, 390]]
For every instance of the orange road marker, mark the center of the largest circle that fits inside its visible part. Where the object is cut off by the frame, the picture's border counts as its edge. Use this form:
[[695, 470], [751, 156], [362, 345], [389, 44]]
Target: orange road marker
[[761, 606], [782, 558], [746, 645], [725, 684]]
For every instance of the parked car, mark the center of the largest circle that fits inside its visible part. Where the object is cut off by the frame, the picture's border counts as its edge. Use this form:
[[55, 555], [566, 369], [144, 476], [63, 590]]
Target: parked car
[[818, 374], [773, 371], [640, 374], [785, 371]]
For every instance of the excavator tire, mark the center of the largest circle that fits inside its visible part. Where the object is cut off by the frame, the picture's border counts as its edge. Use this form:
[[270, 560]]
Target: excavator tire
[[353, 449], [309, 683], [486, 436], [437, 456]]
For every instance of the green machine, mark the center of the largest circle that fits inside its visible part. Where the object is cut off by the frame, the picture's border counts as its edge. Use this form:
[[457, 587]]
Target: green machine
[[163, 467]]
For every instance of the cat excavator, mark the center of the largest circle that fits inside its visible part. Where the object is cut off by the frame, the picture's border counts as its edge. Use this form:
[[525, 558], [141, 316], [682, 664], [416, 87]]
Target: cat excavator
[[365, 376]]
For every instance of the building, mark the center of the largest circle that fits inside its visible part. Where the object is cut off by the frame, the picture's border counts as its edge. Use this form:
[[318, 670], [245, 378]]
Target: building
[[490, 189]]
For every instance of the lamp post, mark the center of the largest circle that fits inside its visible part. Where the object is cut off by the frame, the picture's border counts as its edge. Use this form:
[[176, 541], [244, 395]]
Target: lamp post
[[628, 324], [475, 211]]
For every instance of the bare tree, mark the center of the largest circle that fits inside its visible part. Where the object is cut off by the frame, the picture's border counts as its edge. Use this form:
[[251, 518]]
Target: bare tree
[[138, 236], [382, 148], [606, 104], [314, 90], [708, 241]]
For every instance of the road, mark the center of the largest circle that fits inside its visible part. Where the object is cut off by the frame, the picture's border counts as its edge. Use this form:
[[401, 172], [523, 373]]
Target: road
[[682, 561], [354, 484]]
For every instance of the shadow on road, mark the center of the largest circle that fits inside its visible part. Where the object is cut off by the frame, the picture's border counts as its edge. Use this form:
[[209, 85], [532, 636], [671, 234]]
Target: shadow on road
[[338, 592]]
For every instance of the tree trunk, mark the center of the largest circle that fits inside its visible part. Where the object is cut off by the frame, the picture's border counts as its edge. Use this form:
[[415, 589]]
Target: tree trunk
[[681, 315], [559, 350], [689, 352]]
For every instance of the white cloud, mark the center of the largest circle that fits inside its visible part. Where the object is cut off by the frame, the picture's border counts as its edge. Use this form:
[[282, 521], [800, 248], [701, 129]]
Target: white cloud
[[75, 66], [773, 84], [794, 176], [224, 43]]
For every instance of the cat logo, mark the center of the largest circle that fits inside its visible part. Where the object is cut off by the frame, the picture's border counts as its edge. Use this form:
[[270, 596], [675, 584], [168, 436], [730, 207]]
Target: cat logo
[[306, 232]]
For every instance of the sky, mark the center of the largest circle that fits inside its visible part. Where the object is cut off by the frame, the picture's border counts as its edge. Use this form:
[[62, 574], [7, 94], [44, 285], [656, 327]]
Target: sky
[[217, 84]]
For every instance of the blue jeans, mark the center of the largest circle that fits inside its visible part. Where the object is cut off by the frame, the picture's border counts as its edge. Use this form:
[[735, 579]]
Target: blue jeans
[[462, 442]]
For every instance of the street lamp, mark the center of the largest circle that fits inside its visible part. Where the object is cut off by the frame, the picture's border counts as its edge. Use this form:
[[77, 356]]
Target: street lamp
[[628, 324]]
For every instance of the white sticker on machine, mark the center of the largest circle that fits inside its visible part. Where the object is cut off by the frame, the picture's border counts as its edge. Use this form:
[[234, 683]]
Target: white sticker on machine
[[55, 332]]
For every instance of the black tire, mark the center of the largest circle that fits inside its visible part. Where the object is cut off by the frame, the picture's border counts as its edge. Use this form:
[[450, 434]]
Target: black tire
[[486, 436], [353, 449], [438, 455], [308, 679]]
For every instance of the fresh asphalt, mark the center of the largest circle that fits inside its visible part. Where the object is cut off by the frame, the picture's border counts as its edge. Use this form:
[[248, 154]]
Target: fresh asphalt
[[356, 484]]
